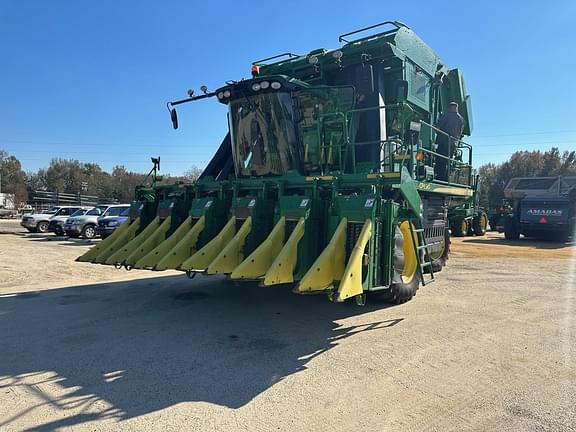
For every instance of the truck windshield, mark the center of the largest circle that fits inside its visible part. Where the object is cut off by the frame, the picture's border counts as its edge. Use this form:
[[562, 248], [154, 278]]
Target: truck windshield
[[52, 210], [263, 133], [116, 211], [79, 212]]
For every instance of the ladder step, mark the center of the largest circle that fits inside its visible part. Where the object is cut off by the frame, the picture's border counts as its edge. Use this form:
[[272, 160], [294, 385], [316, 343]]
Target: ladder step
[[422, 247]]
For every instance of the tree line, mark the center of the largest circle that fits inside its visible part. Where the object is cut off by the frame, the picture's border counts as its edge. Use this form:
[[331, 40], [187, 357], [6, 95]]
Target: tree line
[[494, 177], [74, 177]]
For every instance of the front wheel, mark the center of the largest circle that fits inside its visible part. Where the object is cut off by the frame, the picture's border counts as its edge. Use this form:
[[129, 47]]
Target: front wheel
[[406, 273], [88, 232], [42, 227]]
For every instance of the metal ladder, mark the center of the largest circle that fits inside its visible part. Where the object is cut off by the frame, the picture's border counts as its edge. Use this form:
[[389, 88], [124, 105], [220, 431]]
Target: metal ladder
[[424, 259]]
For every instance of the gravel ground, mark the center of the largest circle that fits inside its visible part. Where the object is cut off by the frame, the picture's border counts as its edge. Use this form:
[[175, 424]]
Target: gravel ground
[[490, 346]]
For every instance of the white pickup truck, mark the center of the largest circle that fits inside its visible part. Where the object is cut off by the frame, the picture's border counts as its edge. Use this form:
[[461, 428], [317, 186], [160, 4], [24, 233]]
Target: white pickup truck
[[38, 222]]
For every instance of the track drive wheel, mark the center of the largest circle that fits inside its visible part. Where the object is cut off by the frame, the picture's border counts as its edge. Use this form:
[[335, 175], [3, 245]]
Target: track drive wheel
[[480, 224], [406, 275]]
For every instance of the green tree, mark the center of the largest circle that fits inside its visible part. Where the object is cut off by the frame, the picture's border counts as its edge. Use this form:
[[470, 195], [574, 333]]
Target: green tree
[[493, 178], [12, 178]]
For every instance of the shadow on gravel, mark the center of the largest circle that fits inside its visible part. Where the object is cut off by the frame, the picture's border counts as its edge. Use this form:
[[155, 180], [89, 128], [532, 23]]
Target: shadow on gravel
[[525, 242], [144, 345]]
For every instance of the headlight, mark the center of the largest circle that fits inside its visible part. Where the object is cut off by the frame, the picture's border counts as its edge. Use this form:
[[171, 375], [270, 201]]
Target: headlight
[[227, 93], [275, 85], [112, 223], [264, 85], [255, 86], [220, 95]]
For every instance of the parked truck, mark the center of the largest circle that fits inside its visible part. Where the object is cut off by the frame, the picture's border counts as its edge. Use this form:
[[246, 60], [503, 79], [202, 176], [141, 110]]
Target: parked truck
[[326, 180], [543, 207]]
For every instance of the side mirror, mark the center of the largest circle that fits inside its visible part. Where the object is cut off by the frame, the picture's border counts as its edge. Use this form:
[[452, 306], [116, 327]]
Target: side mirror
[[174, 118], [401, 91]]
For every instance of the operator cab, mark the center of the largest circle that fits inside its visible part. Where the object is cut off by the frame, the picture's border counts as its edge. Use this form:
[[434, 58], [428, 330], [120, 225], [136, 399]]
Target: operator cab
[[279, 125]]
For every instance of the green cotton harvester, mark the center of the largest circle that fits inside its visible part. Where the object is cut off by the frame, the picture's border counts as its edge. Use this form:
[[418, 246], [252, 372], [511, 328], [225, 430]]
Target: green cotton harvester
[[325, 181]]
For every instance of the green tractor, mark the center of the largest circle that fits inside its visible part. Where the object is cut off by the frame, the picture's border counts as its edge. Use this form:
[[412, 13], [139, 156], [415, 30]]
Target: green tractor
[[326, 180], [468, 218], [499, 214]]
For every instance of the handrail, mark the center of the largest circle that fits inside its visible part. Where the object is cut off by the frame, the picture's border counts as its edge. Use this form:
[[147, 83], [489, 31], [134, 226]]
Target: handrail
[[398, 147], [261, 62], [396, 24]]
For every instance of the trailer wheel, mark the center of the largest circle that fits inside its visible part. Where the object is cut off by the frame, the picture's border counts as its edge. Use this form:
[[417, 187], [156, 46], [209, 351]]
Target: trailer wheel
[[42, 227], [459, 228], [480, 224], [406, 275], [510, 231]]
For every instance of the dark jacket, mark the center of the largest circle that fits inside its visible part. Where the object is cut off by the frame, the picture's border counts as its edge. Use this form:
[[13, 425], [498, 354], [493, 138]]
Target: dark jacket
[[452, 123]]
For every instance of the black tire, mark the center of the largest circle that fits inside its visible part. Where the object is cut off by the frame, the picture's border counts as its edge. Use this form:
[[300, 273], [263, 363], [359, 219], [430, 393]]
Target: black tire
[[402, 288], [510, 229], [88, 232], [459, 228], [42, 227], [480, 224], [439, 263]]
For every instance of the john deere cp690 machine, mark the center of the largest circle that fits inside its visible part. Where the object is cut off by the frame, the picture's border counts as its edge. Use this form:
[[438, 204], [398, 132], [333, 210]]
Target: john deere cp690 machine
[[325, 181]]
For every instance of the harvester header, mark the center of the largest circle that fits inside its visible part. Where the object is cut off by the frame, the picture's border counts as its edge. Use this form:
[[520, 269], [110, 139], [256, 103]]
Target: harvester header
[[332, 178]]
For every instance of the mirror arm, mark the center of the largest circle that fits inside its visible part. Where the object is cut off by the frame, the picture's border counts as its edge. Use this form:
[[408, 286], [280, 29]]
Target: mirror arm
[[190, 99]]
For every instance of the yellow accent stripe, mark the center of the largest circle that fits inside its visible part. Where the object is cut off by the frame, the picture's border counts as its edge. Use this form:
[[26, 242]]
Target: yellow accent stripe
[[383, 175], [452, 191]]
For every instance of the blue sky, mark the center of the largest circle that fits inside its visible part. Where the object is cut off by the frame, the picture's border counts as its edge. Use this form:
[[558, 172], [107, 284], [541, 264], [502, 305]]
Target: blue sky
[[89, 80]]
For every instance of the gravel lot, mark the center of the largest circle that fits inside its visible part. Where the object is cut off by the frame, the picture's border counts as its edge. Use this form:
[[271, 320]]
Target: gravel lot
[[490, 346]]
